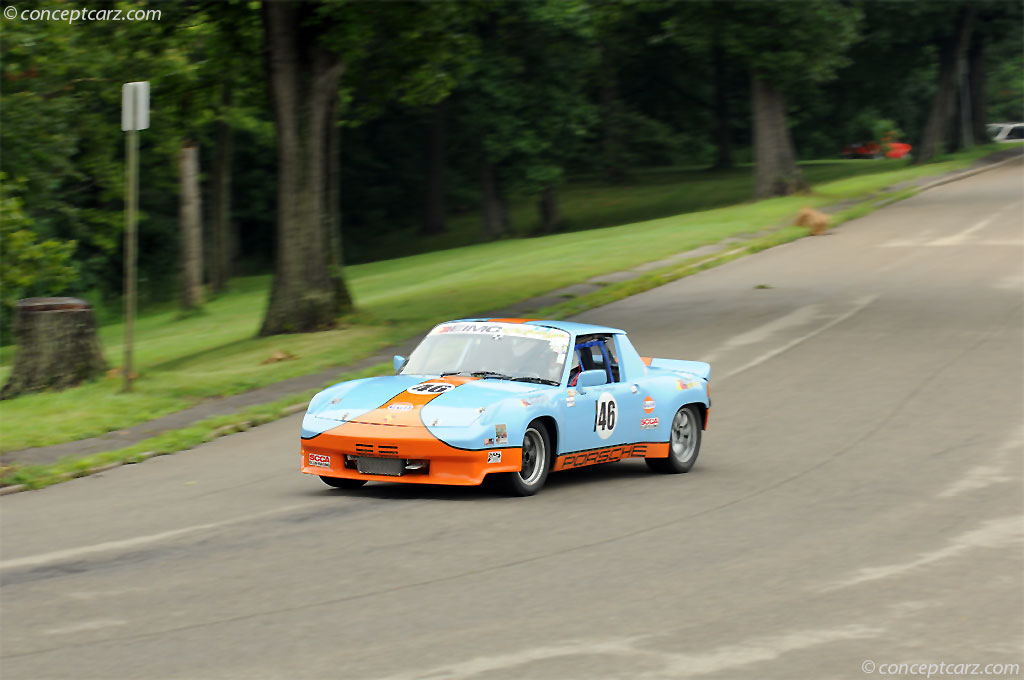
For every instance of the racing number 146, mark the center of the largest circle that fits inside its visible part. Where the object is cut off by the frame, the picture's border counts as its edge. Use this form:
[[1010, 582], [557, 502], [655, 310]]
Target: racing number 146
[[604, 418]]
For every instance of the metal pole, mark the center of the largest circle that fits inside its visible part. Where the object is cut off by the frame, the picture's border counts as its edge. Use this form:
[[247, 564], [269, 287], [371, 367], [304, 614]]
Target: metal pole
[[130, 246]]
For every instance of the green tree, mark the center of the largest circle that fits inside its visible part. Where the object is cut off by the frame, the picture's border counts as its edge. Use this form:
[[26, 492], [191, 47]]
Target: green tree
[[526, 104], [309, 47], [31, 266], [61, 133], [786, 46]]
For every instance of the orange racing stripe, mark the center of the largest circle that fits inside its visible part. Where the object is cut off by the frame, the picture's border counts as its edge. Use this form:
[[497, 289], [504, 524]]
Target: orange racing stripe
[[409, 417]]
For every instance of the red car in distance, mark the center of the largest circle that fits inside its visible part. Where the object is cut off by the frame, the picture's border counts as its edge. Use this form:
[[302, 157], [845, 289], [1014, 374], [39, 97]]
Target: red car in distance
[[887, 148]]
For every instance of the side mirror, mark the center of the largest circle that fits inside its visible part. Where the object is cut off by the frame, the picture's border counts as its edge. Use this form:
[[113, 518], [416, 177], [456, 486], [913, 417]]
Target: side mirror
[[398, 362], [592, 378]]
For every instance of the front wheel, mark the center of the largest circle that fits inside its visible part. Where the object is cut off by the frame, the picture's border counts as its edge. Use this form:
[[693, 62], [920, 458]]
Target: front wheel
[[341, 483], [683, 443], [536, 465]]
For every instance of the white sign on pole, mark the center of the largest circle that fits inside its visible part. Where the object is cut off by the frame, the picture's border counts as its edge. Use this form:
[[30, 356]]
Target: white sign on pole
[[135, 106]]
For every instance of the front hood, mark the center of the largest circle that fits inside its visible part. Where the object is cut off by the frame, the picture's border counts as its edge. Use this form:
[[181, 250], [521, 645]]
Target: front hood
[[349, 400], [453, 401]]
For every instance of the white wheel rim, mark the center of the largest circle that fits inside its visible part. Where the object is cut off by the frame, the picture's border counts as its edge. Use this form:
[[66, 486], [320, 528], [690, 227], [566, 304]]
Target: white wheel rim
[[534, 457], [684, 435]]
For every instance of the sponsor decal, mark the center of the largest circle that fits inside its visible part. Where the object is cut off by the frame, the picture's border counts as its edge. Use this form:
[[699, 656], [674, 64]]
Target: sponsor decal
[[606, 413], [400, 406], [493, 457], [319, 460], [489, 441], [430, 388], [648, 405], [500, 435], [648, 423], [687, 384], [484, 328], [570, 401], [524, 402], [610, 454], [559, 340]]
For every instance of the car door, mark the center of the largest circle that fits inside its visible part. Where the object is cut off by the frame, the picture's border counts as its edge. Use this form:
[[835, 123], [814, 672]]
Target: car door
[[600, 416]]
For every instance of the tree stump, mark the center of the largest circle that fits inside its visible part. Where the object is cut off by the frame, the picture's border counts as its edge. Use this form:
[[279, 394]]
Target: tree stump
[[56, 343]]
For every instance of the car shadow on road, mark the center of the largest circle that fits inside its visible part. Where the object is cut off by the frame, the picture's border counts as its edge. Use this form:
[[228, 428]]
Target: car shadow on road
[[592, 475], [599, 474]]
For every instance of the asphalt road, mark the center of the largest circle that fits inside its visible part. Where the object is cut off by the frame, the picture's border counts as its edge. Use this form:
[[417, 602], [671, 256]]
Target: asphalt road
[[858, 501]]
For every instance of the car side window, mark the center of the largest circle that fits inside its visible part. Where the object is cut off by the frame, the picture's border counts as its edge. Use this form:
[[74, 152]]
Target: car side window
[[592, 351]]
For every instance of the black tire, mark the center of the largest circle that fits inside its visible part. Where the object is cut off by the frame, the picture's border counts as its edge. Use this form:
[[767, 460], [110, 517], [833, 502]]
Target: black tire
[[536, 466], [683, 443], [340, 483]]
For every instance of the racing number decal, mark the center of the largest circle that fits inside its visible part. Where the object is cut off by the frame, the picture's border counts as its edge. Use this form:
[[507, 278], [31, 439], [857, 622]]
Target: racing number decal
[[430, 388], [605, 416]]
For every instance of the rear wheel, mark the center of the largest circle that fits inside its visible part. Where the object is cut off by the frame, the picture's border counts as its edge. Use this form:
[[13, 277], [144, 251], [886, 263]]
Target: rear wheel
[[536, 465], [340, 483], [683, 443]]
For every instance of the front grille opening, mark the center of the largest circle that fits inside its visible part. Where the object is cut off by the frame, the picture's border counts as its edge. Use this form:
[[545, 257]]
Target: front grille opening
[[391, 467]]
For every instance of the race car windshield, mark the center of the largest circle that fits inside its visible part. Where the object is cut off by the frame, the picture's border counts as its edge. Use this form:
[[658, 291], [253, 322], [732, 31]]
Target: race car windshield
[[492, 350]]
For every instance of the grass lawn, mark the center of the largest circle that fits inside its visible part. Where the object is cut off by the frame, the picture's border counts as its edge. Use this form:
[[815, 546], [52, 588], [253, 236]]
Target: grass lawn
[[182, 360], [652, 193]]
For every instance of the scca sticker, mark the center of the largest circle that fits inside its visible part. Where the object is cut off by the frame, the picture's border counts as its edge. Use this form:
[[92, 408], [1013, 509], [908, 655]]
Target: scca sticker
[[319, 460], [430, 388], [606, 415], [648, 423]]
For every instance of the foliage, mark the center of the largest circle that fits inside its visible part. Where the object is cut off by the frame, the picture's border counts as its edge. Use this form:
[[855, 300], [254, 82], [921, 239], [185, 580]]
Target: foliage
[[533, 86], [31, 266], [525, 102]]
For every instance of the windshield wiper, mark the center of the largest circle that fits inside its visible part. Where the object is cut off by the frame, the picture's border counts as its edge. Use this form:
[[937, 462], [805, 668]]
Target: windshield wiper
[[502, 376], [539, 381]]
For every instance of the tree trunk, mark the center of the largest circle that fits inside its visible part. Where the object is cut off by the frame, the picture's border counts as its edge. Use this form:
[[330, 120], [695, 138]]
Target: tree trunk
[[308, 293], [190, 217], [723, 134], [493, 208], [611, 107], [951, 50], [979, 102], [434, 209], [776, 172], [57, 345], [220, 198], [550, 213], [332, 215]]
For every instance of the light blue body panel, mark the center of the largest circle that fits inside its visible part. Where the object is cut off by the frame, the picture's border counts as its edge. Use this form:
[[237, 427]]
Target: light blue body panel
[[492, 413], [697, 368]]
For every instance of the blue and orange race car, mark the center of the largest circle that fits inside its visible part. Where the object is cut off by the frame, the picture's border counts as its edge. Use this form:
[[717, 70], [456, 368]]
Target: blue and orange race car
[[506, 402]]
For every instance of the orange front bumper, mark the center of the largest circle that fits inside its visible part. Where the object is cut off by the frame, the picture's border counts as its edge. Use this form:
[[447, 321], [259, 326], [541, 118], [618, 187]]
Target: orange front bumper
[[446, 464]]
